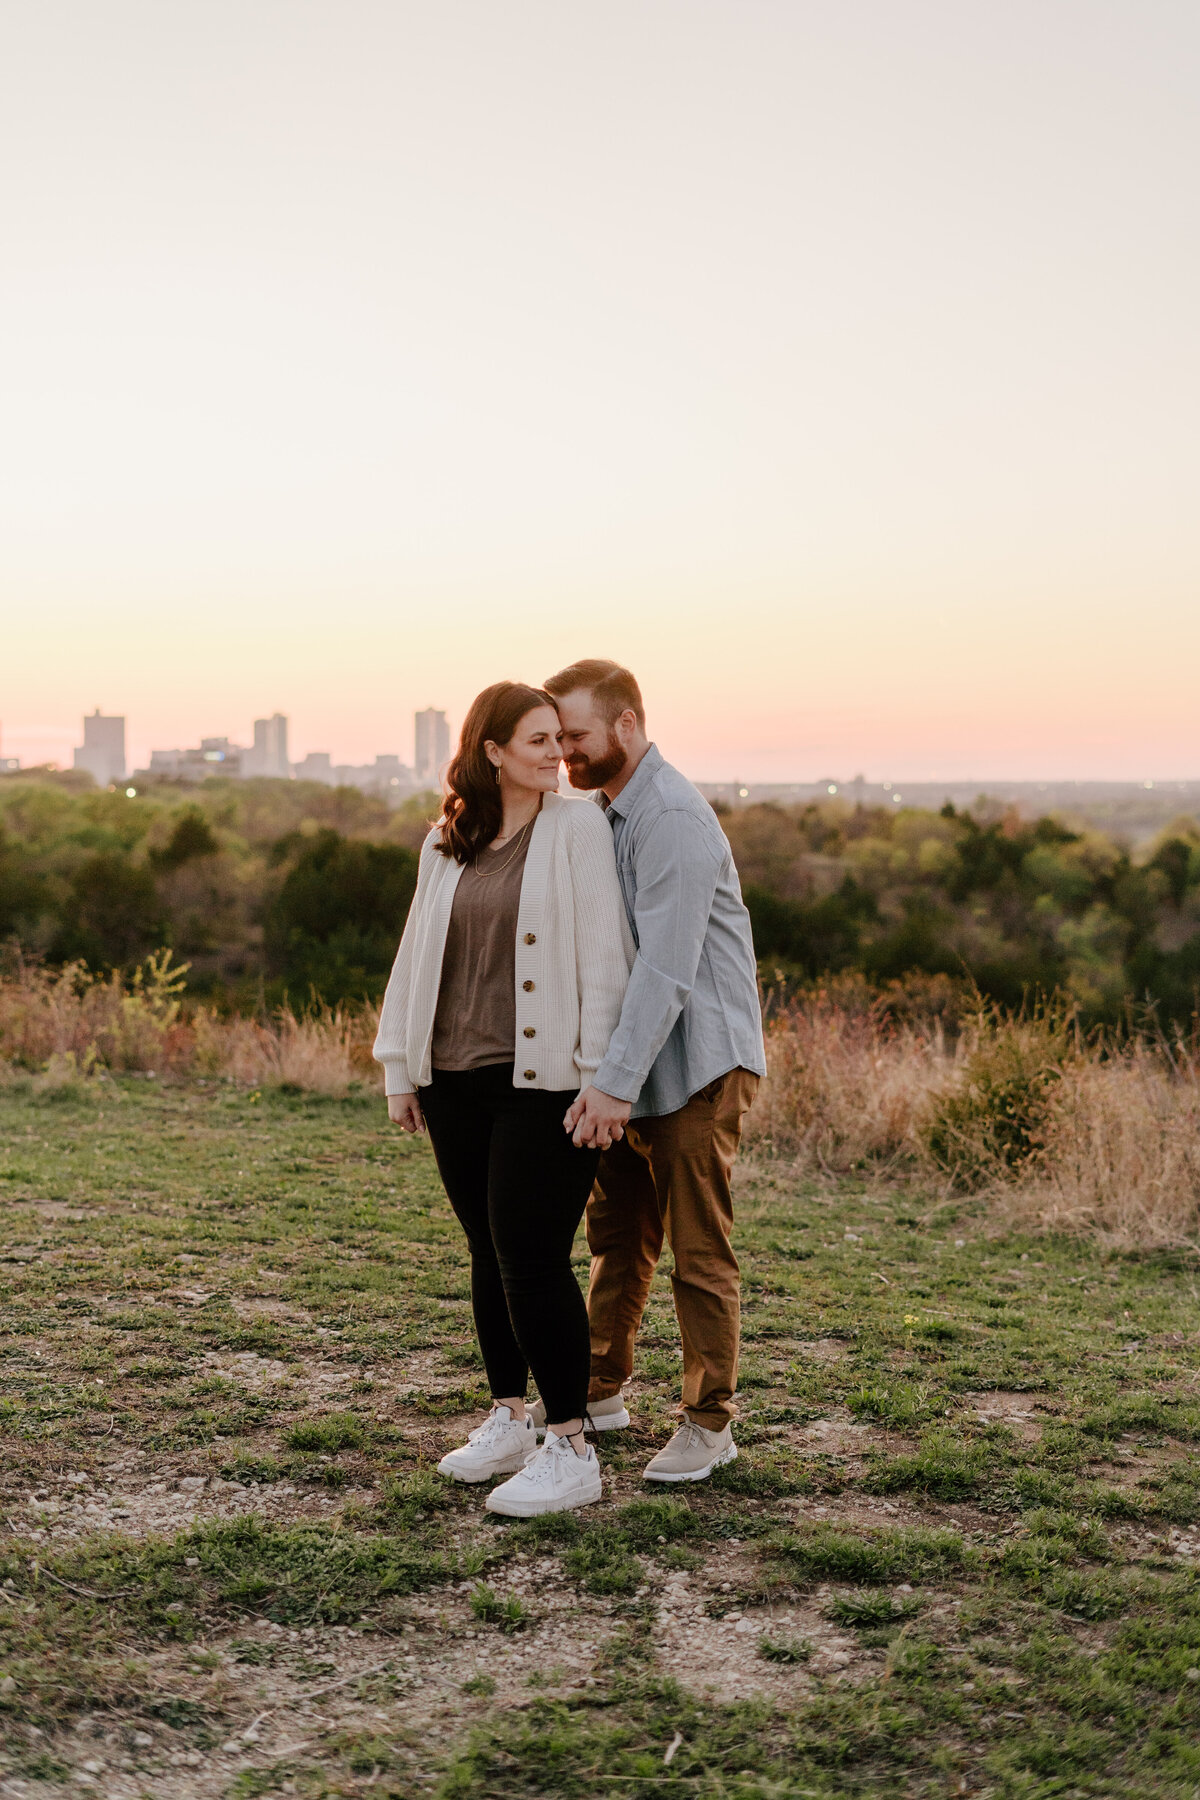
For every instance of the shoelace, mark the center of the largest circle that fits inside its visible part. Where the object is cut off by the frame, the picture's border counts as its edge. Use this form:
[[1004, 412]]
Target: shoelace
[[540, 1468], [491, 1428]]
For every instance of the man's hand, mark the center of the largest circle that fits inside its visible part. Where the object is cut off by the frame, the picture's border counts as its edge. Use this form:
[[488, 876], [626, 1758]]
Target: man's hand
[[595, 1120], [404, 1110]]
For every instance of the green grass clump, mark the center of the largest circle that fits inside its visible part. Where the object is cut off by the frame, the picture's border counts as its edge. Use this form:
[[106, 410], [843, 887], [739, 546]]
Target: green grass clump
[[337, 1431], [825, 1552], [901, 1404], [944, 1467], [784, 1649], [864, 1611], [507, 1611]]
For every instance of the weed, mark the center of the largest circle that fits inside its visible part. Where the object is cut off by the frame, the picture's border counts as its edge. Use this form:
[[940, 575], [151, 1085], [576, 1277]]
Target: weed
[[508, 1613], [784, 1649], [866, 1610]]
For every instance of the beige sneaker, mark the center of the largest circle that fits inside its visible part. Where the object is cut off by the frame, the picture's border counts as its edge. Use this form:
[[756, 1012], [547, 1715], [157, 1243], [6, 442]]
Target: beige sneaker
[[692, 1454], [606, 1415]]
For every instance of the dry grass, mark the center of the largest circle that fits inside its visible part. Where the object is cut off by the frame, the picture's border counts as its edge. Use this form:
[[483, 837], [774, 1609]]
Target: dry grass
[[1097, 1139], [68, 1028], [1120, 1155], [847, 1085]]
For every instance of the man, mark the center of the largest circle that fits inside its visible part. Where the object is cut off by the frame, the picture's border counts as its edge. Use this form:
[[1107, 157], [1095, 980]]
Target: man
[[667, 1102]]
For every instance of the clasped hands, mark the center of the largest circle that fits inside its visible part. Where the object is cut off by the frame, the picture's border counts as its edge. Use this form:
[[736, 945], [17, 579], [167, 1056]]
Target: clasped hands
[[595, 1120]]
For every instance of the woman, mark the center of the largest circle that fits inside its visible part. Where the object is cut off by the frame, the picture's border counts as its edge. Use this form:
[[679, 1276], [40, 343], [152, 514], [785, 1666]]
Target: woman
[[505, 991]]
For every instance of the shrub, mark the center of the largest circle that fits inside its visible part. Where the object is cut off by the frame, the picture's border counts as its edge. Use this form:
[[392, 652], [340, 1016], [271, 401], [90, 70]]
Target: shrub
[[990, 1124]]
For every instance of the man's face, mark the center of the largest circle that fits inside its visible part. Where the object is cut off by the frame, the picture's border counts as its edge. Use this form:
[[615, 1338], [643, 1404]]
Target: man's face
[[591, 749]]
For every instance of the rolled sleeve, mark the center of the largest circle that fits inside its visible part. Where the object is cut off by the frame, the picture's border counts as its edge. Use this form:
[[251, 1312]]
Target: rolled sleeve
[[677, 873]]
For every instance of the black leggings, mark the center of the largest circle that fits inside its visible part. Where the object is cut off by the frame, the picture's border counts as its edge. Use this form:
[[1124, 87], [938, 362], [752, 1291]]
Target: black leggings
[[518, 1186]]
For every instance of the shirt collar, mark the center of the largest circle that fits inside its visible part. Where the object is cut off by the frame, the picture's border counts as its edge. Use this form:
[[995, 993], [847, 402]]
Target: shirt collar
[[638, 782]]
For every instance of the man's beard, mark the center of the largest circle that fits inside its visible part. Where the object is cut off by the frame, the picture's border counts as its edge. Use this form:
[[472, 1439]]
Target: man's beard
[[593, 772]]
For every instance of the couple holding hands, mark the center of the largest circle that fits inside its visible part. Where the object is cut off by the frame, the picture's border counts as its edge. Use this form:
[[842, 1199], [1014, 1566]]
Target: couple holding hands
[[573, 1015]]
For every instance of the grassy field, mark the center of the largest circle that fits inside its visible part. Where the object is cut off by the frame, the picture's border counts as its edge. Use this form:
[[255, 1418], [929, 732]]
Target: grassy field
[[956, 1556]]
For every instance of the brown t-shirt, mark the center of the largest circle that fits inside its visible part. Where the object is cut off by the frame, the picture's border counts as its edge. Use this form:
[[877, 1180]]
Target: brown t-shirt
[[476, 1019]]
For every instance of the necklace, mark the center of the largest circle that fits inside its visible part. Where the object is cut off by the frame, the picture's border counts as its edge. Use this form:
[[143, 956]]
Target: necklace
[[511, 857]]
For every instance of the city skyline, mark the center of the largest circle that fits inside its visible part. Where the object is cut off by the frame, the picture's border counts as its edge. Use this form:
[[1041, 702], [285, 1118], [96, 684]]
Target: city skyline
[[268, 754], [835, 368]]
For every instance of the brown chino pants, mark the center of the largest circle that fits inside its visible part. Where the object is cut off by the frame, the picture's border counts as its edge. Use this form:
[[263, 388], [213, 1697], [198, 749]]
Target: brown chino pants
[[670, 1176]]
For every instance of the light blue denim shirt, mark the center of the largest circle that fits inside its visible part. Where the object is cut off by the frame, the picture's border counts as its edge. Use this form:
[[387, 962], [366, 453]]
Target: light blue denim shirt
[[691, 1009]]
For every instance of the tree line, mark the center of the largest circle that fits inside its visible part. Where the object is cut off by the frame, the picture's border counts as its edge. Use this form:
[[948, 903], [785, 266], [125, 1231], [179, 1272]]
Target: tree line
[[270, 888]]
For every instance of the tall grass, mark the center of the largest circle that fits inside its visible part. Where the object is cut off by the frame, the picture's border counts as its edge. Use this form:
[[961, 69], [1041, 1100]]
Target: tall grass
[[1119, 1158], [847, 1082], [67, 1026], [1097, 1137]]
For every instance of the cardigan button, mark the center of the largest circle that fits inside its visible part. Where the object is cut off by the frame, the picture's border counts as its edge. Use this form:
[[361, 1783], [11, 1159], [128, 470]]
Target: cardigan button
[[529, 1031], [530, 937], [531, 1074], [528, 986]]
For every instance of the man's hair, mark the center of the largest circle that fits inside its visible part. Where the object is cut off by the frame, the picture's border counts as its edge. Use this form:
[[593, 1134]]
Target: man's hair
[[613, 689]]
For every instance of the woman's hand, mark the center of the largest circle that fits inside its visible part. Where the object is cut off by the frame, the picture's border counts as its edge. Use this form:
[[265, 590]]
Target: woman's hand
[[404, 1110]]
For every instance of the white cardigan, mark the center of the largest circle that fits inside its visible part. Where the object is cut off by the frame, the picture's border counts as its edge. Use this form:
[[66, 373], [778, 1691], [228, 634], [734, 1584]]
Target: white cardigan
[[574, 954]]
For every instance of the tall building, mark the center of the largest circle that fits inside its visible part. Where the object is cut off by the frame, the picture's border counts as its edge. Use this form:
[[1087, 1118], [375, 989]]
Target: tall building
[[432, 747], [269, 755], [102, 752]]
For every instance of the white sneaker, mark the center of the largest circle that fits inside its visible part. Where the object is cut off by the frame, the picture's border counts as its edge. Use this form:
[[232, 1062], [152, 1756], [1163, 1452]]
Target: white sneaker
[[605, 1415], [692, 1454], [552, 1481], [496, 1447]]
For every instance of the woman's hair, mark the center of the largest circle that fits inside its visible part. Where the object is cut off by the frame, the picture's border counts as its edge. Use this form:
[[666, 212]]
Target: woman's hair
[[471, 811]]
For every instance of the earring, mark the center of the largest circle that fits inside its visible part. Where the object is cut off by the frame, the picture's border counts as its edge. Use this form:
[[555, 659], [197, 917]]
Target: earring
[[496, 766]]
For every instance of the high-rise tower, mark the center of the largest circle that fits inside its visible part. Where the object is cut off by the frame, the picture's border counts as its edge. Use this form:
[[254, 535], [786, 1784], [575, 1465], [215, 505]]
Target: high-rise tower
[[432, 746], [102, 752], [270, 753]]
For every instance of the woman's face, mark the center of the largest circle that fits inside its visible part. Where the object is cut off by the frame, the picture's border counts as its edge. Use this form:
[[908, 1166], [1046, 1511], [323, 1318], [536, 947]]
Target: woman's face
[[531, 757]]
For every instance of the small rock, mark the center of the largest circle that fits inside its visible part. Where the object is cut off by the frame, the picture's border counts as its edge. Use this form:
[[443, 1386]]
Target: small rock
[[191, 1484], [1191, 1674], [745, 1625], [8, 1685], [231, 1746], [93, 1765], [142, 1740], [839, 1658]]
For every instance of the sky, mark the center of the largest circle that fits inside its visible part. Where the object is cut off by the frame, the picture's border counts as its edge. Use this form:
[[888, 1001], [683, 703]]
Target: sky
[[835, 367]]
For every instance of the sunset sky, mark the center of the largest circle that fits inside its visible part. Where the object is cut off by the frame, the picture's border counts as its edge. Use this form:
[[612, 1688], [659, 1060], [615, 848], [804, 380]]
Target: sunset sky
[[836, 366]]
